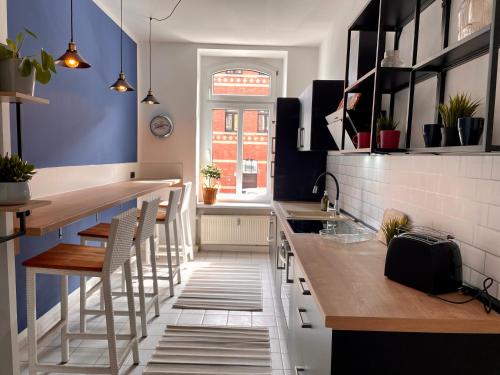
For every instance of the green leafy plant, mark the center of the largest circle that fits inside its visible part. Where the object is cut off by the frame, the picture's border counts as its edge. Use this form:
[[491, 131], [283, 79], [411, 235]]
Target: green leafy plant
[[43, 68], [395, 226], [386, 123], [15, 169], [460, 105], [212, 175]]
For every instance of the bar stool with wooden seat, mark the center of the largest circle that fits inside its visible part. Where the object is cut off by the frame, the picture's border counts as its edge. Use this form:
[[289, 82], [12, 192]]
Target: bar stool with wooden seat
[[183, 216], [166, 219], [144, 232], [77, 260]]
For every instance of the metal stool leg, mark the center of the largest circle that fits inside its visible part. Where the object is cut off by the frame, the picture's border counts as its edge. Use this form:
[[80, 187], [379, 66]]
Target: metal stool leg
[[83, 303], [142, 295], [154, 271], [110, 324], [169, 259], [177, 257], [131, 311], [64, 319]]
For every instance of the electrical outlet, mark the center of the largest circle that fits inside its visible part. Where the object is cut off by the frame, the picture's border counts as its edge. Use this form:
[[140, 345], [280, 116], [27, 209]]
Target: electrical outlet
[[132, 174]]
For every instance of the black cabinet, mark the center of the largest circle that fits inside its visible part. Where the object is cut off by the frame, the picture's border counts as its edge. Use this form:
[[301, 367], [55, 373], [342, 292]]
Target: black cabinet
[[320, 99], [294, 171]]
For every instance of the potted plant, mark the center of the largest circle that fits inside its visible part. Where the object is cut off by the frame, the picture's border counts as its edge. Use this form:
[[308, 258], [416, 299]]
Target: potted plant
[[459, 106], [395, 226], [14, 176], [212, 175], [19, 73], [388, 136]]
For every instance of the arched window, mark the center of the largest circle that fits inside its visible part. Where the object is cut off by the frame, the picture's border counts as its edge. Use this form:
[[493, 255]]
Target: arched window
[[241, 82]]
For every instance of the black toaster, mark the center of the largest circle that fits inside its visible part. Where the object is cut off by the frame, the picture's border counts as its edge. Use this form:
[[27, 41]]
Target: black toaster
[[427, 262]]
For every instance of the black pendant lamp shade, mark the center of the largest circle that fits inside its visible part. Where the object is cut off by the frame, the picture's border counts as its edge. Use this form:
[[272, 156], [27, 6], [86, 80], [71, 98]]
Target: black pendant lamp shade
[[71, 58], [150, 98], [121, 84]]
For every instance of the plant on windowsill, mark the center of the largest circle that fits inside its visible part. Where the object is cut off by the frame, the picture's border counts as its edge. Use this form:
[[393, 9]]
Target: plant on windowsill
[[460, 125], [387, 135], [19, 73], [14, 176], [212, 176]]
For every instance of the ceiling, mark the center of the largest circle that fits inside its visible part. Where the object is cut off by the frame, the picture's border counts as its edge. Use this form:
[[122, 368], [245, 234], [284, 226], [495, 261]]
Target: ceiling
[[241, 22]]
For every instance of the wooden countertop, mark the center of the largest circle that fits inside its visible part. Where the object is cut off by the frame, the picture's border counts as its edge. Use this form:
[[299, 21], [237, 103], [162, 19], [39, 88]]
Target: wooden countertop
[[350, 289], [69, 207]]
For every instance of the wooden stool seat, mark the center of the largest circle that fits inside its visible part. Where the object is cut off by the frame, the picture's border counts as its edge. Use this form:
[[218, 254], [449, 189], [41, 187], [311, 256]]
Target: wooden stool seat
[[100, 230], [160, 216], [69, 257]]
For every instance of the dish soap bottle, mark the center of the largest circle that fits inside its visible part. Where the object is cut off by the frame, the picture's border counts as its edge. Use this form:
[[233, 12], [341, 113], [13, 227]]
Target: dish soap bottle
[[325, 201]]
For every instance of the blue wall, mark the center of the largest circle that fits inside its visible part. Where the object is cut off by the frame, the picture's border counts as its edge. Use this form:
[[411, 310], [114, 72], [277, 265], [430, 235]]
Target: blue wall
[[85, 123]]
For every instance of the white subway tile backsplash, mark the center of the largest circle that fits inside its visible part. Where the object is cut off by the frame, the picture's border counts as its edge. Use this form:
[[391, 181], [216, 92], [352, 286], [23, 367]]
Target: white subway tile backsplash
[[455, 194]]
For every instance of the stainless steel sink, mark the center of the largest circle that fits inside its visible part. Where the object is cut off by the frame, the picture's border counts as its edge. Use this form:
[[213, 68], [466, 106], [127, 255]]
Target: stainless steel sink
[[344, 231], [316, 214]]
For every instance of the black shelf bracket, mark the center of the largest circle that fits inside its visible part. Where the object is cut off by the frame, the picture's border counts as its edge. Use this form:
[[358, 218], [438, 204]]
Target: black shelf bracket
[[22, 227]]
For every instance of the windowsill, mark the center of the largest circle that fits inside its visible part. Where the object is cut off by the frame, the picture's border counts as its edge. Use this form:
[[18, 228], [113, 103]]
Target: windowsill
[[238, 205]]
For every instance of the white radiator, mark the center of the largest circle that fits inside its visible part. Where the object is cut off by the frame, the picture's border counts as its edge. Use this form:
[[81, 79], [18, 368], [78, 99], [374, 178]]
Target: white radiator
[[234, 230]]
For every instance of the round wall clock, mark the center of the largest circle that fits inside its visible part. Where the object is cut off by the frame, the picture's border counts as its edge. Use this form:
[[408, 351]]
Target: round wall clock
[[161, 126]]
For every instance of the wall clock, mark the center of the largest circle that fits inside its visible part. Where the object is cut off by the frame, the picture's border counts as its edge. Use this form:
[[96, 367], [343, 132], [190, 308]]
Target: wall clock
[[161, 126]]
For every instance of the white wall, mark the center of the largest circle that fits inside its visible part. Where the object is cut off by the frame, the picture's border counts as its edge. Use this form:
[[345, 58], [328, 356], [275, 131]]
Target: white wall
[[175, 86], [455, 194]]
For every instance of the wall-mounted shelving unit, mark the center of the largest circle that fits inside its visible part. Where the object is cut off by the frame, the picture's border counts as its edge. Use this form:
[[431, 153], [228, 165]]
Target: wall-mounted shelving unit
[[391, 16], [21, 210]]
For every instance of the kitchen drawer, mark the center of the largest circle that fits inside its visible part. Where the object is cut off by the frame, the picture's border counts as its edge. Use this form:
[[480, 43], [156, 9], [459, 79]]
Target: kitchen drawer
[[310, 340]]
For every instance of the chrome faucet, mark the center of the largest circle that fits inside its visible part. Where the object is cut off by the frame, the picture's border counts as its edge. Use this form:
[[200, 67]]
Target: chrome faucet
[[335, 209]]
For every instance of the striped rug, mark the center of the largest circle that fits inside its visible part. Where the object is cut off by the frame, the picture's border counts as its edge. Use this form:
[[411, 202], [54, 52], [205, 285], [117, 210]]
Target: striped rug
[[223, 287], [197, 350]]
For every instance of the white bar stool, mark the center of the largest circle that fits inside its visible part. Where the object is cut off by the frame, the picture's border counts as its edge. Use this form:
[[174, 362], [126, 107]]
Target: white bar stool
[[144, 232], [183, 216], [65, 260], [167, 218]]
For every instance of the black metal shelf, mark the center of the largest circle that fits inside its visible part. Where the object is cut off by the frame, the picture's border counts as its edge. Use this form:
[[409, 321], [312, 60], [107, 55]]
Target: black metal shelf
[[448, 150], [398, 14], [470, 48], [391, 80]]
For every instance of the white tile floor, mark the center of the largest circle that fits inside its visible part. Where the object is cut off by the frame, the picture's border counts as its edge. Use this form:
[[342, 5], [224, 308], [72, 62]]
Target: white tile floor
[[95, 351]]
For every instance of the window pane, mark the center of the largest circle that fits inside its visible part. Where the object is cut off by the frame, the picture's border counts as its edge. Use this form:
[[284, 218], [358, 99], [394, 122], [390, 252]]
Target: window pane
[[255, 149], [242, 82], [225, 147]]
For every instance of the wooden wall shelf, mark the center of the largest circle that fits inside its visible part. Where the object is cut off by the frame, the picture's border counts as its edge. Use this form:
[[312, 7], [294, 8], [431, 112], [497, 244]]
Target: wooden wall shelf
[[17, 97]]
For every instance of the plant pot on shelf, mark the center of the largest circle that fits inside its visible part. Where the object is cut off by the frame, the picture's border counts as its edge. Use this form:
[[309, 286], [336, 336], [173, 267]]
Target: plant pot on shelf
[[389, 139], [450, 136], [362, 140], [12, 80], [209, 195], [432, 134], [12, 193], [470, 130]]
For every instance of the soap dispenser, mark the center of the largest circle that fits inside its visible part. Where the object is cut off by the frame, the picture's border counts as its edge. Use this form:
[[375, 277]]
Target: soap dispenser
[[325, 201]]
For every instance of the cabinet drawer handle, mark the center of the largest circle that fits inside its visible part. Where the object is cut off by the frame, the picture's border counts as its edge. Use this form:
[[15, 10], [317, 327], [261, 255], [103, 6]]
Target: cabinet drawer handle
[[305, 292], [304, 323], [299, 370]]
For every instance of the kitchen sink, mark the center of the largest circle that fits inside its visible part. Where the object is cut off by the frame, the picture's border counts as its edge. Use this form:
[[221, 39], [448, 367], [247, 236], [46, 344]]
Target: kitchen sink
[[344, 231], [317, 214]]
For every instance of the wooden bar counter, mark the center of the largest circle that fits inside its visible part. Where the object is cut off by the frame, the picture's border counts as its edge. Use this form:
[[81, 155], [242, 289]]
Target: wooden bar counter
[[69, 207]]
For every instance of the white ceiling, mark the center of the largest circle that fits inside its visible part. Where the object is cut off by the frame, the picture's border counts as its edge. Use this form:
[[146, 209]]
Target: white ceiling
[[242, 22]]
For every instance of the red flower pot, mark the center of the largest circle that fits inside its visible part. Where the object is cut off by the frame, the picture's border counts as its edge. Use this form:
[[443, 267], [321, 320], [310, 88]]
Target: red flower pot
[[389, 138]]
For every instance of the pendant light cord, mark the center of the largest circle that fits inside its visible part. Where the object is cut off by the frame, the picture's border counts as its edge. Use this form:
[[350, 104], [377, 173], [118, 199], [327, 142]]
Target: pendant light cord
[[171, 13], [71, 21], [121, 36], [150, 58]]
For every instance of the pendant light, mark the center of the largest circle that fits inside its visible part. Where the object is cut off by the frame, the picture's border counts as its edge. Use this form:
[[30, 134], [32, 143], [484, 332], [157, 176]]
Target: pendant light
[[150, 98], [71, 58], [121, 84]]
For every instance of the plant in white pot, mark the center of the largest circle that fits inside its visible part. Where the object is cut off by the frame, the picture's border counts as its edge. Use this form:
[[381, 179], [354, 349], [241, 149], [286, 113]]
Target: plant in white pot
[[19, 73], [14, 176]]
